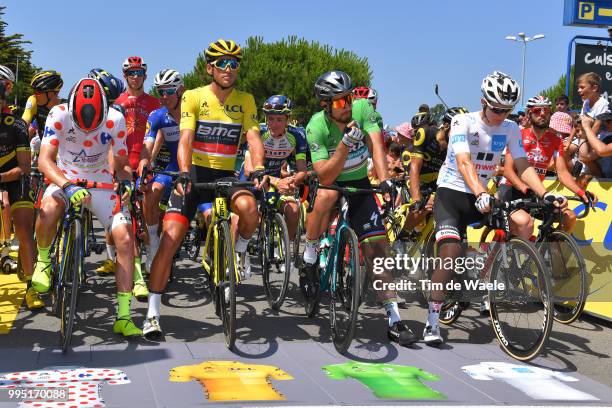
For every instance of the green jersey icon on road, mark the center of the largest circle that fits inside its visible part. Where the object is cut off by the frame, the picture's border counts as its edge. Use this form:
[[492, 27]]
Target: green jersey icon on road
[[388, 381]]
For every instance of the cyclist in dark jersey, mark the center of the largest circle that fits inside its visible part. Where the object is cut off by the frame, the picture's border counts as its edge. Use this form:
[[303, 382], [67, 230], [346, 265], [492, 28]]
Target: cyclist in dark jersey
[[15, 162], [46, 86]]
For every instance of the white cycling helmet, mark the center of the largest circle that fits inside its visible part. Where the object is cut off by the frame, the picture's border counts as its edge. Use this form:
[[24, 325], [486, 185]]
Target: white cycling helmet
[[373, 95], [538, 101], [6, 73], [499, 89], [168, 78]]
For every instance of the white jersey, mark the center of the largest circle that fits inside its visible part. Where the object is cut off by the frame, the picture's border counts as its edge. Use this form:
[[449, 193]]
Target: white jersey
[[537, 383], [84, 384], [486, 144], [83, 155], [601, 106]]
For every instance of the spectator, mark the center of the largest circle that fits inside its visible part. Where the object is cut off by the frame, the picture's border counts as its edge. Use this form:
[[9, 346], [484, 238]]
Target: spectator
[[599, 147], [394, 159], [562, 104], [562, 123], [523, 119], [593, 103], [405, 133]]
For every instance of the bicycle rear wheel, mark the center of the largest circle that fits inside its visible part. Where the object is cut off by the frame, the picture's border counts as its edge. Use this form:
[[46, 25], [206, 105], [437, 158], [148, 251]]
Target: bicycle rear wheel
[[568, 275], [276, 265], [72, 264], [226, 290], [345, 298], [521, 311]]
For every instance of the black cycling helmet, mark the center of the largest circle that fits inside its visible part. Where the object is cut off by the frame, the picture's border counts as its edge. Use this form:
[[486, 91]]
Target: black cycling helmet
[[451, 112], [420, 119], [333, 84]]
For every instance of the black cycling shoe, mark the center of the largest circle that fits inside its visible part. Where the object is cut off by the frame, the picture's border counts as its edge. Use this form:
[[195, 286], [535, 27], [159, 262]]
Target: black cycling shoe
[[309, 283], [401, 334]]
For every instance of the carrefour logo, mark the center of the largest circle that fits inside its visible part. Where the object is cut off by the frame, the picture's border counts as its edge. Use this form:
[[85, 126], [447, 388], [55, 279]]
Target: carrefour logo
[[105, 137], [607, 241]]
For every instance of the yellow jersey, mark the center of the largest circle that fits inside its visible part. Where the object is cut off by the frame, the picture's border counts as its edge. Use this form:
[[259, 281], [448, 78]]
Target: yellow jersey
[[232, 380], [219, 128]]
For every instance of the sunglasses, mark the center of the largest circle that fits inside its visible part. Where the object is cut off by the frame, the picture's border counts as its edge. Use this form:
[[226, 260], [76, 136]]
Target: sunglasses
[[278, 107], [135, 72], [342, 102], [166, 91], [222, 64], [499, 111], [539, 111]]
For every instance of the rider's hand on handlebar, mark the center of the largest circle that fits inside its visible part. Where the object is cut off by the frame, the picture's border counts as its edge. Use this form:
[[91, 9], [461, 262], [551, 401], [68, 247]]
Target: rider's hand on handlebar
[[286, 186], [483, 202], [183, 183], [557, 200], [258, 177], [387, 187], [588, 198]]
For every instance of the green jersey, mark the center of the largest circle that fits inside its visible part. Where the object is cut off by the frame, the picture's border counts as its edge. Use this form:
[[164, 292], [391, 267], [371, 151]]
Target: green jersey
[[379, 120], [388, 381], [323, 137]]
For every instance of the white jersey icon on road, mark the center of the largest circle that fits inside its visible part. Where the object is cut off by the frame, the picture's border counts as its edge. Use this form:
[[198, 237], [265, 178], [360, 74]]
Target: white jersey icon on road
[[538, 383]]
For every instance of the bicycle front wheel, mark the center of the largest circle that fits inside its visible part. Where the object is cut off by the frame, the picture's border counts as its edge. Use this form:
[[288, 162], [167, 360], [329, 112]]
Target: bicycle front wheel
[[521, 299], [72, 264], [568, 275], [345, 296], [295, 250], [276, 264], [226, 290]]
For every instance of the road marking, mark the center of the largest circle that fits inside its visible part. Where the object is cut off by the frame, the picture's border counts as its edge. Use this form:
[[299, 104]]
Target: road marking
[[12, 293]]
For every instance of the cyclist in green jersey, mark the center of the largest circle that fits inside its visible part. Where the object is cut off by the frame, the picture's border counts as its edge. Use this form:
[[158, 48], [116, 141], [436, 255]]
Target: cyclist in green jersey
[[340, 138]]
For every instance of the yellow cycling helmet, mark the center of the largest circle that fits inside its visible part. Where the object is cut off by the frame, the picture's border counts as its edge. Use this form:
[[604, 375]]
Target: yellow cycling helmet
[[47, 81], [223, 48]]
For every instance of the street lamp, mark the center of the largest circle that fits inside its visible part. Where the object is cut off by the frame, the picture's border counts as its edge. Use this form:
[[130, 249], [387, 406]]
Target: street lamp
[[524, 39]]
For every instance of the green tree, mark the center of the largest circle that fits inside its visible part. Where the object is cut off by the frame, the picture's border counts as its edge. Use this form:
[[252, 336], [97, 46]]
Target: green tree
[[437, 112], [558, 89], [11, 50], [289, 67]]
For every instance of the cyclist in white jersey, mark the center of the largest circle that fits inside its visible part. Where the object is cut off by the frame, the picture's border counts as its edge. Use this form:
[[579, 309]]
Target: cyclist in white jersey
[[75, 145], [477, 141]]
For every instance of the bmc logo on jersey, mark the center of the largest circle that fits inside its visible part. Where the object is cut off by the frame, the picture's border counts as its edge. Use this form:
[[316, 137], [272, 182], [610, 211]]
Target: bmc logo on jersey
[[498, 142], [105, 138], [219, 132]]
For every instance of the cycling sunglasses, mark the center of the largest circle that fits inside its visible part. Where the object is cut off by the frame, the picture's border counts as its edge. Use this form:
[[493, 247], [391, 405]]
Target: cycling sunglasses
[[166, 91], [539, 111], [499, 111], [342, 102], [277, 107], [222, 64], [135, 72]]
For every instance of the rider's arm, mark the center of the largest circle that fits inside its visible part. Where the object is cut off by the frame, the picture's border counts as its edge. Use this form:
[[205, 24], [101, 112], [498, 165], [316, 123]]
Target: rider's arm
[[190, 107], [256, 147], [379, 156], [301, 149], [47, 164], [459, 146], [469, 174], [563, 173], [510, 174], [599, 147], [24, 157], [120, 162], [416, 163], [529, 176], [30, 110]]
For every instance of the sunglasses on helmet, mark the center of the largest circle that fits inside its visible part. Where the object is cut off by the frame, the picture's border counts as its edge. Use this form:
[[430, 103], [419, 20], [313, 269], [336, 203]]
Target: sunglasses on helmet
[[135, 72], [166, 91], [499, 111], [222, 64], [342, 102]]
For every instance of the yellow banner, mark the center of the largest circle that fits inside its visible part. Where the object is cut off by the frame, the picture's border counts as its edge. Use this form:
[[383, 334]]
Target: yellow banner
[[594, 236]]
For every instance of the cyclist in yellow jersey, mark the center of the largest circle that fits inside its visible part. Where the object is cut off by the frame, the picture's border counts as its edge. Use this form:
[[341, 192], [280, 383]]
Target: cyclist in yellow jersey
[[214, 119], [46, 86]]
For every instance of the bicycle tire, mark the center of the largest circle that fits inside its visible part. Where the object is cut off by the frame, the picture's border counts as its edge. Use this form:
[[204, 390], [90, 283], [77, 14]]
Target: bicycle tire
[[57, 274], [347, 293], [72, 280], [276, 233], [295, 250], [538, 290], [225, 261], [562, 312]]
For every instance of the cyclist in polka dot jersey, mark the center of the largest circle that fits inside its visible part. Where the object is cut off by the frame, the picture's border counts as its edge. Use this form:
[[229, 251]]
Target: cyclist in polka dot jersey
[[75, 145]]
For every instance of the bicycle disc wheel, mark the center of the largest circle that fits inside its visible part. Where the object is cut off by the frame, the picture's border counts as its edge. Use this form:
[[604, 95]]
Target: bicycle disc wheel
[[568, 275], [521, 311], [345, 298], [71, 281], [276, 261], [227, 284]]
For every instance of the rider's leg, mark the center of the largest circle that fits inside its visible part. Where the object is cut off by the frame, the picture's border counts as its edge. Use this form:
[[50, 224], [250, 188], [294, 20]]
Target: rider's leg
[[569, 220], [521, 224], [317, 222], [52, 208], [292, 217], [23, 218], [244, 205], [6, 217], [151, 210]]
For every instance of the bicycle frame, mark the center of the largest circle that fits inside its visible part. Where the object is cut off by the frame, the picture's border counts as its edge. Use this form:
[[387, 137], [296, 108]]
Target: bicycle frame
[[329, 273]]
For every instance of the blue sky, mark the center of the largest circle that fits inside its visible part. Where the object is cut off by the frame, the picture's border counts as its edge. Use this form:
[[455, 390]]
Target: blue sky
[[411, 45]]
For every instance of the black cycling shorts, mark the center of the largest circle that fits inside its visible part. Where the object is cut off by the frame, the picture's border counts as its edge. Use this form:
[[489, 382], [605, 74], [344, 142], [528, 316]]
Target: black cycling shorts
[[18, 197], [453, 212], [199, 174], [363, 214]]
